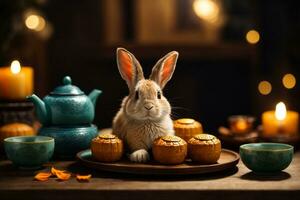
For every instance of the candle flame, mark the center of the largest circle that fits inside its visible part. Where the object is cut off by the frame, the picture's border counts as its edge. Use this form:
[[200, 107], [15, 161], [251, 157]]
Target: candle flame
[[280, 111], [15, 67], [241, 125]]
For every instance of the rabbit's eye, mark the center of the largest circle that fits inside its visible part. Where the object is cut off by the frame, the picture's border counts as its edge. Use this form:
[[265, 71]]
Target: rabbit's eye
[[158, 95], [136, 95]]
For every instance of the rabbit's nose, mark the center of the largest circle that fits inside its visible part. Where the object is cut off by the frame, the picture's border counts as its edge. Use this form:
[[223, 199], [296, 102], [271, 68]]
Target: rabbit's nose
[[148, 107]]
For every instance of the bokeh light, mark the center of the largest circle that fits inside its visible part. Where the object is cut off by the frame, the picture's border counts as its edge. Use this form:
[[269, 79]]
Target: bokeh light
[[252, 36], [206, 9], [264, 87], [289, 81], [35, 22]]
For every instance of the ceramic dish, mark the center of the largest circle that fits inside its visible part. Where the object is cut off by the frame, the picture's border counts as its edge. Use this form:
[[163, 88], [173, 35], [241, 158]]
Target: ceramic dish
[[228, 160], [232, 140], [266, 157], [29, 152]]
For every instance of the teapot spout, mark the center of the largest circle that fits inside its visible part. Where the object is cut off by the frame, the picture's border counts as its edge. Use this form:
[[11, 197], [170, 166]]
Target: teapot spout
[[94, 96], [40, 107]]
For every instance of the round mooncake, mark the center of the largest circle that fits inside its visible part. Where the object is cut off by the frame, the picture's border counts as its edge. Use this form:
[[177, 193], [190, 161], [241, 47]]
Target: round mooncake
[[15, 129], [204, 148], [170, 150], [186, 128], [107, 148]]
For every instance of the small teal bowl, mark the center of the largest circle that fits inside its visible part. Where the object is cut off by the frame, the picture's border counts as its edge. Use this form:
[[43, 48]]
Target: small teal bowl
[[266, 157], [29, 152]]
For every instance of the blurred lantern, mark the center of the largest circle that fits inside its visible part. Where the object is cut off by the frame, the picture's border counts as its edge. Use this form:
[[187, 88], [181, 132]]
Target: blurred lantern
[[252, 36], [207, 10], [264, 87], [289, 81]]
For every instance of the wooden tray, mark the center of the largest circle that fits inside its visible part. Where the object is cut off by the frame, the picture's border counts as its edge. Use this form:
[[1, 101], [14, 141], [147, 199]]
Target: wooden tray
[[228, 159]]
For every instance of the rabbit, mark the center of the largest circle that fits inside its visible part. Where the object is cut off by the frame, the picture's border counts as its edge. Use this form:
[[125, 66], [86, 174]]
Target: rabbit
[[145, 113]]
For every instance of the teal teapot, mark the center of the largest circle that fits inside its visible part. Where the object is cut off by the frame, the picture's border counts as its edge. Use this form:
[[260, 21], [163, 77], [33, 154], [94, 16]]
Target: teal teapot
[[66, 105]]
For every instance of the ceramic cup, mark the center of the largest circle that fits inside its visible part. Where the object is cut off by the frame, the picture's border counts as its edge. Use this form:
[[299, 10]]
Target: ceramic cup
[[29, 152], [266, 157]]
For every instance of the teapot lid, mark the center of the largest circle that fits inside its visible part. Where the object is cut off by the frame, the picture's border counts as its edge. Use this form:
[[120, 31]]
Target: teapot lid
[[67, 88]]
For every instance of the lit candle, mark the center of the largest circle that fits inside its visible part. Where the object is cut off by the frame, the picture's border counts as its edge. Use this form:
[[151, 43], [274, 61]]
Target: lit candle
[[16, 82], [241, 124], [280, 121]]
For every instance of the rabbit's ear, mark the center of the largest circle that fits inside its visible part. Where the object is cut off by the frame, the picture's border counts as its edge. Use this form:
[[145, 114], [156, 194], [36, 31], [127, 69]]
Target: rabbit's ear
[[164, 68], [129, 68]]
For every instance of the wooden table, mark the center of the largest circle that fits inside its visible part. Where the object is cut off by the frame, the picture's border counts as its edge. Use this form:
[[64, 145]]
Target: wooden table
[[238, 183]]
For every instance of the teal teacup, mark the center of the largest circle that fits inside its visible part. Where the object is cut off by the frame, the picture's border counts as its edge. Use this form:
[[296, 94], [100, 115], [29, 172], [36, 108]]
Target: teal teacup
[[266, 157], [29, 152]]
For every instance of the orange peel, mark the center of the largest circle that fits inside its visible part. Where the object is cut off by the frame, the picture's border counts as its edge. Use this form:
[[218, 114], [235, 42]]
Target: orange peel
[[63, 176], [83, 177], [42, 176], [54, 171]]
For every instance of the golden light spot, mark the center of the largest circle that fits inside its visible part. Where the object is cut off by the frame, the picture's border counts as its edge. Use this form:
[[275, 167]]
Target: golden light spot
[[206, 9], [252, 36], [264, 87], [289, 81], [35, 22]]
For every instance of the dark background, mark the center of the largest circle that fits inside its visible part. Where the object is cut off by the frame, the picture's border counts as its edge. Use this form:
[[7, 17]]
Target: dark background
[[211, 81]]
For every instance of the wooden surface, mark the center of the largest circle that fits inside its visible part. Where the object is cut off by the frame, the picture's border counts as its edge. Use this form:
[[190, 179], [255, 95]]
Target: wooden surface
[[239, 183], [227, 160]]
